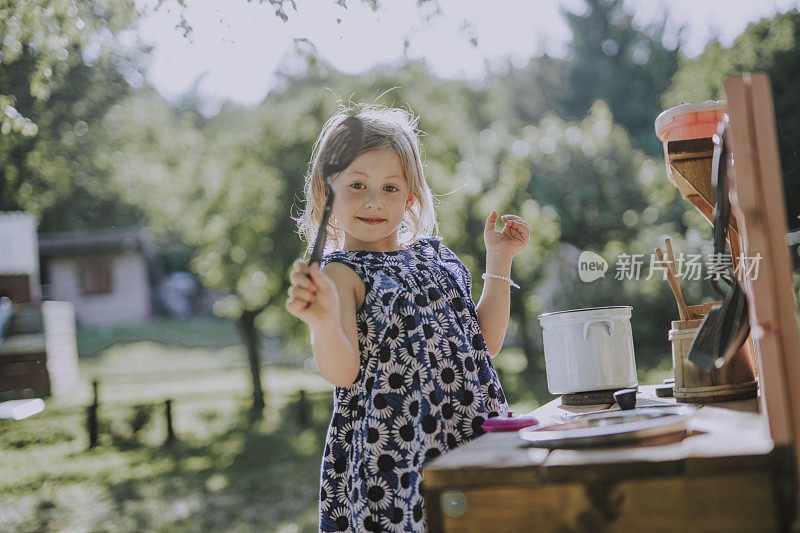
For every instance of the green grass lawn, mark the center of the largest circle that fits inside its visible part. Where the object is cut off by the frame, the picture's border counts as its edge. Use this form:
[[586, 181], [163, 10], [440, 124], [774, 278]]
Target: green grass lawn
[[223, 473], [204, 332]]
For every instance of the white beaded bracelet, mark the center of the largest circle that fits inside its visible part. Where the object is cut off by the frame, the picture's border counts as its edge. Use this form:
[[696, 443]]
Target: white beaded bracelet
[[504, 278]]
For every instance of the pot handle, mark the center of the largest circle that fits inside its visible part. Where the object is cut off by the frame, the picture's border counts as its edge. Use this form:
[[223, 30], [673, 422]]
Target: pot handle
[[595, 320]]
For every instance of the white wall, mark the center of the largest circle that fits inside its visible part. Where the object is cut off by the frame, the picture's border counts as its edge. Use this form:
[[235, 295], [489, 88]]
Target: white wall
[[61, 345], [19, 248], [128, 302]]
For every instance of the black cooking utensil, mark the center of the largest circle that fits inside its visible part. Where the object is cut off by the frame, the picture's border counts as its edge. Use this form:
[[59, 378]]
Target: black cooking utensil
[[706, 344], [725, 328], [735, 324], [341, 147]]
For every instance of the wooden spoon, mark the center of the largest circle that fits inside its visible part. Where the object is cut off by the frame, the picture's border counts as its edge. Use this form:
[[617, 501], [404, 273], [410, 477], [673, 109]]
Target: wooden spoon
[[675, 286], [671, 257]]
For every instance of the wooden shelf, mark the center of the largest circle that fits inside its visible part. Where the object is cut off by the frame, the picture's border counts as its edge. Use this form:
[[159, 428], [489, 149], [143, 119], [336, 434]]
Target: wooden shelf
[[690, 171]]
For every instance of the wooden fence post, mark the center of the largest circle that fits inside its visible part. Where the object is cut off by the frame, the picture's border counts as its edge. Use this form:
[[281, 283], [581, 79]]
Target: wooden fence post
[[303, 408], [91, 417], [170, 432]]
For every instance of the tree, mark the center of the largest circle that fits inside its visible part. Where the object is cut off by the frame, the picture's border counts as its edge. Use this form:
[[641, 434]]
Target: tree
[[610, 59], [60, 70], [771, 46], [532, 91], [226, 187], [50, 31]]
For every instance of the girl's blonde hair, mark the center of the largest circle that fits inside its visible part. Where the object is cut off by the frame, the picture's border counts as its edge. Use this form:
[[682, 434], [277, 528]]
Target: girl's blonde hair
[[384, 127]]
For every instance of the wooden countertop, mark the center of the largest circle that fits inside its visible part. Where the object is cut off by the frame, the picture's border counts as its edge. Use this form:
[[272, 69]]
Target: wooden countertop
[[722, 436], [725, 475]]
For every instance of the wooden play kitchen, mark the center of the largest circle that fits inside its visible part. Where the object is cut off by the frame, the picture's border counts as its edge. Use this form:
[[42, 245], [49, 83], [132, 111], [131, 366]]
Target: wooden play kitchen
[[721, 464]]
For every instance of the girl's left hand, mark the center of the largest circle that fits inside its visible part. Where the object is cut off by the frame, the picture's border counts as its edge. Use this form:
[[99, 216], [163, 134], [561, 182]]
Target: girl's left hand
[[509, 241]]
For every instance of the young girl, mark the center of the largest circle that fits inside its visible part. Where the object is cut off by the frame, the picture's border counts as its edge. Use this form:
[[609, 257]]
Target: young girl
[[394, 328]]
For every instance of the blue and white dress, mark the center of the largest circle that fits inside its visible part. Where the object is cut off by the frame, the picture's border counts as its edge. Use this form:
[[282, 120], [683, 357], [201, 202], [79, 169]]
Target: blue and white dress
[[426, 386]]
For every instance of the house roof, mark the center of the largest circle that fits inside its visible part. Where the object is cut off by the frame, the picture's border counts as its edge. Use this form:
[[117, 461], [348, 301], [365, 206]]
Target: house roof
[[18, 253], [93, 241]]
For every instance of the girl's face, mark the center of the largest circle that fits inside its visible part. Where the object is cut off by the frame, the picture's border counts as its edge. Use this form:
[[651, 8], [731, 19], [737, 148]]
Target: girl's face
[[372, 196]]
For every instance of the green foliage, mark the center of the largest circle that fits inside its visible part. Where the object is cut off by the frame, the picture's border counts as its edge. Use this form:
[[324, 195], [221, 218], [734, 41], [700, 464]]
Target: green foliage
[[52, 32], [598, 193], [60, 70], [587, 171], [532, 91], [229, 186], [770, 46], [611, 59]]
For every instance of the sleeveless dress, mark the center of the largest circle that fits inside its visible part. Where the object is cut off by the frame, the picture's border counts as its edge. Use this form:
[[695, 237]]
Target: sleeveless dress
[[426, 385]]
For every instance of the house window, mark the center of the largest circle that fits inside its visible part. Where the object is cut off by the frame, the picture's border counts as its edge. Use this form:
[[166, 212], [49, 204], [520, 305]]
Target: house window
[[95, 276], [16, 287]]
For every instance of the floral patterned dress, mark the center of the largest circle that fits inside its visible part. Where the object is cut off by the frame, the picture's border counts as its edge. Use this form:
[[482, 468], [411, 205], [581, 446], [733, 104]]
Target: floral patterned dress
[[426, 386]]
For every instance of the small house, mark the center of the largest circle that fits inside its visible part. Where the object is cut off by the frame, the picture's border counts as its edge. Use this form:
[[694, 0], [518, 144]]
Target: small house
[[104, 273]]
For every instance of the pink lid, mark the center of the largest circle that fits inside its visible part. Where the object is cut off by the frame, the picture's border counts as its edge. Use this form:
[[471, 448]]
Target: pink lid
[[690, 121], [508, 423]]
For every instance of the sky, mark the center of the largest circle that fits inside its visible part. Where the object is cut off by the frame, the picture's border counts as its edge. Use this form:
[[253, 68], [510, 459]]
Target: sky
[[236, 47]]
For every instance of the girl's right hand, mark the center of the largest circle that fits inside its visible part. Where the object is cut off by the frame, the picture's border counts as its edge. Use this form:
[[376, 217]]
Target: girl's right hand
[[312, 297]]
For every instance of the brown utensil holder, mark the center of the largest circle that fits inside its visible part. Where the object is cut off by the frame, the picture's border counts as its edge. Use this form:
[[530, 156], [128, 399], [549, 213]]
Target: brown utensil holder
[[735, 380]]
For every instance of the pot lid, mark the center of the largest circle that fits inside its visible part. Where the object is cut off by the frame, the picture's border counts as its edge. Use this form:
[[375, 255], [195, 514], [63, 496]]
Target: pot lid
[[668, 115], [611, 427], [585, 309]]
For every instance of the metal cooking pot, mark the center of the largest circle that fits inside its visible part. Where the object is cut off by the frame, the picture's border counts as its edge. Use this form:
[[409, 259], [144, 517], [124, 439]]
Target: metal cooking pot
[[589, 349]]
